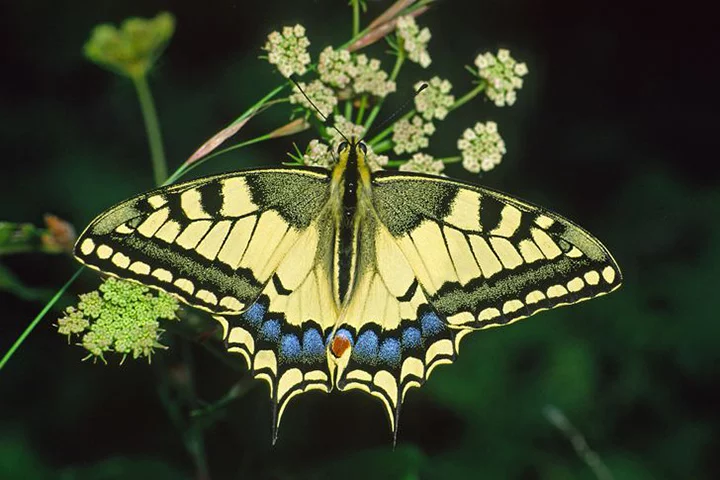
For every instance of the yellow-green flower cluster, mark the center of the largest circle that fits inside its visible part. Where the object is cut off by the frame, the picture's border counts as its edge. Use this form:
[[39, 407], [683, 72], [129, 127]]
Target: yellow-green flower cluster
[[120, 317], [133, 48], [321, 95], [336, 67], [368, 78], [435, 100], [411, 135], [414, 40], [288, 50], [423, 163], [482, 147], [503, 75]]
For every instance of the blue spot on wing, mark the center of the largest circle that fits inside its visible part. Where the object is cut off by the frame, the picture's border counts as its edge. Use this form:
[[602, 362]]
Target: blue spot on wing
[[390, 351], [270, 330], [411, 338], [255, 313], [290, 347], [431, 324], [366, 348], [313, 348]]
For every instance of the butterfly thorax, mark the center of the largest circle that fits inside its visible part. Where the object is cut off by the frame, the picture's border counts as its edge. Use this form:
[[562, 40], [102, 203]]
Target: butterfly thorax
[[350, 177]]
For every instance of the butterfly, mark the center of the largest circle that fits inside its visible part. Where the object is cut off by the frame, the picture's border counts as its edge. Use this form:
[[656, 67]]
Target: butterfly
[[348, 278]]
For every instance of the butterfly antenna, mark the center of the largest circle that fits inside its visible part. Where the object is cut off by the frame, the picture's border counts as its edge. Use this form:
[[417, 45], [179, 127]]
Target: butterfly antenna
[[325, 118], [402, 108]]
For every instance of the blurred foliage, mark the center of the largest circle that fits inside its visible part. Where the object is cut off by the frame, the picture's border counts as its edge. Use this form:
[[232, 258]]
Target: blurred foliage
[[635, 372]]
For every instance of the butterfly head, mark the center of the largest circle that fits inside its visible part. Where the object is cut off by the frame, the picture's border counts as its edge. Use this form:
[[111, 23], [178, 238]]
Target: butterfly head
[[351, 146]]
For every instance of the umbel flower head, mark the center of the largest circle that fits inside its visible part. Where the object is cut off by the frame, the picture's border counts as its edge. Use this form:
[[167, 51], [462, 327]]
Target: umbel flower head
[[411, 135], [132, 49], [321, 95], [336, 67], [482, 147], [423, 163], [414, 40], [288, 50], [503, 75], [435, 100], [368, 78], [120, 317]]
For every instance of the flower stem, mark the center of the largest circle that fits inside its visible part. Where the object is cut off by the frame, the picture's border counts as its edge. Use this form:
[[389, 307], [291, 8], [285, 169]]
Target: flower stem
[[361, 110], [152, 128], [348, 110], [39, 317], [468, 96], [389, 129], [186, 168], [356, 17], [396, 70]]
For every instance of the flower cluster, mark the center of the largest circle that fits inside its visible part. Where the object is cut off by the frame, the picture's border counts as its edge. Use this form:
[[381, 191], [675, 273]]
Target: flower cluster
[[321, 95], [336, 67], [120, 316], [414, 40], [318, 154], [411, 135], [288, 50], [482, 147], [368, 78], [503, 75], [423, 163], [133, 48], [435, 100]]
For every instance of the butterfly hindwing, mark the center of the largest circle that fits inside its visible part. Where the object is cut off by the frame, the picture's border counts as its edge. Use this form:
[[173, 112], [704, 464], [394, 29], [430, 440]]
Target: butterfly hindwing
[[397, 336]]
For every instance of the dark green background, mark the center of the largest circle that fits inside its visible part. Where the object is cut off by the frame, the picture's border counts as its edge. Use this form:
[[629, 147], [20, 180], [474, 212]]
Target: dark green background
[[614, 129]]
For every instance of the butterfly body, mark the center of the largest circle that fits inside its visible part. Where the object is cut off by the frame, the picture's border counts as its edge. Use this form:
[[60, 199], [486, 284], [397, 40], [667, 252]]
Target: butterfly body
[[348, 278]]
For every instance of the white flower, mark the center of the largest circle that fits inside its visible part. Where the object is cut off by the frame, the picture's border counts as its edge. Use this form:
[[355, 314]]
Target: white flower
[[368, 78], [348, 129], [375, 162], [423, 163], [318, 154], [288, 50], [414, 40], [502, 74], [322, 96], [481, 147], [336, 67], [434, 101], [411, 135]]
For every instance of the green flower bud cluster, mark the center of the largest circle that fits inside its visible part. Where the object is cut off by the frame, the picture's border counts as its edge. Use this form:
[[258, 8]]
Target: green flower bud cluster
[[132, 49], [121, 317]]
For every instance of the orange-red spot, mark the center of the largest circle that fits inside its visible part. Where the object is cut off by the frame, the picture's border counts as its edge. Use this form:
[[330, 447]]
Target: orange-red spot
[[339, 345]]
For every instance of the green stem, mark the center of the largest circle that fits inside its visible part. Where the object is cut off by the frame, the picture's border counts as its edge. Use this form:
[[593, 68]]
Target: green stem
[[39, 317], [396, 70], [152, 128], [383, 146], [361, 110], [389, 129], [348, 110], [186, 168], [356, 17], [468, 96]]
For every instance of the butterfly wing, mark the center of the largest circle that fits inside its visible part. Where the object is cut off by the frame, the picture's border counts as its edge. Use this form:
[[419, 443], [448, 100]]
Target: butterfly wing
[[451, 258], [248, 247]]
